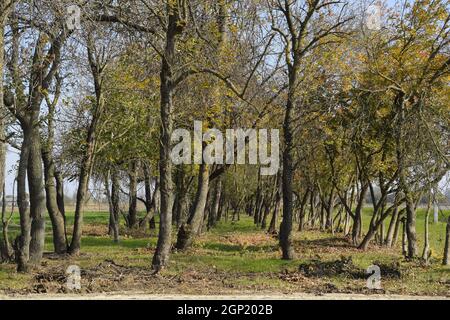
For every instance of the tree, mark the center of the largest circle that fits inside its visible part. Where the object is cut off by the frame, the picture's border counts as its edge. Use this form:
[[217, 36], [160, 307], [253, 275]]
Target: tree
[[49, 33], [98, 62], [5, 247], [302, 28], [56, 214]]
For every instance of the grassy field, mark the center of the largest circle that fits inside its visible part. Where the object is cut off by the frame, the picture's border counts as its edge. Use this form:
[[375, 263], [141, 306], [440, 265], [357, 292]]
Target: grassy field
[[235, 257]]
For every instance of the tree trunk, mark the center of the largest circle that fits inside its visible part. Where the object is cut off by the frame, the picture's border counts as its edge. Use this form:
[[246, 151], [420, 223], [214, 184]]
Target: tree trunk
[[180, 197], [404, 238], [83, 184], [56, 217], [446, 260], [167, 87], [114, 203], [22, 243], [5, 246], [329, 208], [301, 224], [212, 221], [391, 229], [426, 246], [411, 228], [156, 206], [37, 197], [373, 227], [190, 229], [398, 225], [273, 221], [403, 181], [150, 197], [132, 208], [88, 156], [287, 175], [357, 223]]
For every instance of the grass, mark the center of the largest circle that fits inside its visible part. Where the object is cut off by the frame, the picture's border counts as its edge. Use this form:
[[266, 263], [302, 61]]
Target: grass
[[239, 256]]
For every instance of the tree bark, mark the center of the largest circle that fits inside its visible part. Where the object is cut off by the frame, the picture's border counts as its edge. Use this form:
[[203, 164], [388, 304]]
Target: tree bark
[[22, 243], [287, 175], [212, 221], [411, 227], [426, 246], [88, 156], [5, 246], [357, 223], [167, 87], [446, 259], [114, 203], [56, 216], [132, 208], [180, 198], [391, 229], [189, 230], [272, 226]]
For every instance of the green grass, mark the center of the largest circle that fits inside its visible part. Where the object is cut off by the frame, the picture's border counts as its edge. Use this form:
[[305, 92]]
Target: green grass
[[249, 256]]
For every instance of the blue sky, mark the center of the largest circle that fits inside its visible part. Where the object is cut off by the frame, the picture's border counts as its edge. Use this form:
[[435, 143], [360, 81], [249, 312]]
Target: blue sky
[[13, 157]]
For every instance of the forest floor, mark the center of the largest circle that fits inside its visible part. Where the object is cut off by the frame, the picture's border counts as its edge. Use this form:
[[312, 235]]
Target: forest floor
[[233, 259]]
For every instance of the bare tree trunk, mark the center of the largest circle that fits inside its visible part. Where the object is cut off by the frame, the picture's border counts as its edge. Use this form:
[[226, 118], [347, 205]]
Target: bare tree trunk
[[167, 87], [446, 259], [391, 229], [37, 197], [150, 197], [357, 223], [403, 183], [287, 176], [426, 246], [404, 238], [329, 208], [180, 198], [132, 208], [56, 217], [60, 199], [398, 225], [190, 229], [411, 227], [83, 183], [156, 206], [45, 63], [5, 247], [374, 226], [95, 63], [22, 243], [273, 221], [212, 221], [6, 251], [301, 224], [112, 193]]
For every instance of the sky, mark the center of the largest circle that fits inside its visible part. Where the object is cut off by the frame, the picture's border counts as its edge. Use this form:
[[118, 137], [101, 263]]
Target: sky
[[13, 157]]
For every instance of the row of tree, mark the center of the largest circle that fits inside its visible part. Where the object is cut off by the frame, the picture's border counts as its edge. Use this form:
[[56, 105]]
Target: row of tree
[[362, 112]]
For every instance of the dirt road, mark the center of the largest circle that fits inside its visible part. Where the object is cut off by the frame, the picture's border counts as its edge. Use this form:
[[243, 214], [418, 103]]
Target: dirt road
[[143, 296]]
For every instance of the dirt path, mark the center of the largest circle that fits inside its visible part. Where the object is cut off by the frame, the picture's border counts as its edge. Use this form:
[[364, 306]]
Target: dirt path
[[143, 296]]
